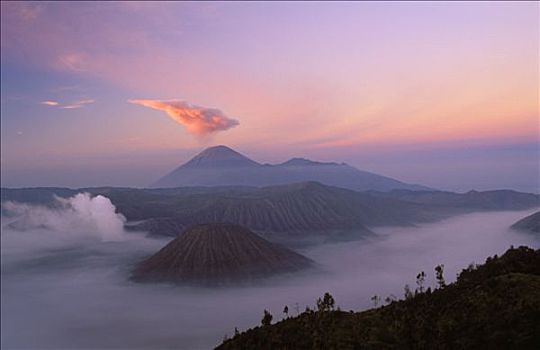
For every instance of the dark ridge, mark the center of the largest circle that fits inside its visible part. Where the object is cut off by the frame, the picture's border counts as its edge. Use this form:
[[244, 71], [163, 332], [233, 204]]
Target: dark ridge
[[35, 195], [295, 210], [530, 223], [305, 162], [485, 200]]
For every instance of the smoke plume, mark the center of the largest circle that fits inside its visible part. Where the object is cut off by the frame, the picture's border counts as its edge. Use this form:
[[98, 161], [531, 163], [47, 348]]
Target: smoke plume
[[197, 120], [80, 214]]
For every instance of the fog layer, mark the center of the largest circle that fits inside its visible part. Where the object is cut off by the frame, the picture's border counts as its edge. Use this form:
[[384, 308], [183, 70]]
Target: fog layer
[[66, 285]]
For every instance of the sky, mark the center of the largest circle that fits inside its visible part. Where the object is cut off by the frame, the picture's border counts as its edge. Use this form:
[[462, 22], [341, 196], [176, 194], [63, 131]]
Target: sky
[[119, 93]]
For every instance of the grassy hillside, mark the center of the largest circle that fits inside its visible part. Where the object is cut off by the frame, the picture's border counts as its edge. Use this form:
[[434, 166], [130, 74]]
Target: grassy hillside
[[492, 306]]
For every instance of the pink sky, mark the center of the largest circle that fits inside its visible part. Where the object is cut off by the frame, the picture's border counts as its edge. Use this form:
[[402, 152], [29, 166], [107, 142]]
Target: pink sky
[[319, 78]]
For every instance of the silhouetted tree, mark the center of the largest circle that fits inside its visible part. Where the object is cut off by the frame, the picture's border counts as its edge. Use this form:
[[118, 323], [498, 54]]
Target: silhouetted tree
[[236, 332], [326, 303], [420, 279], [473, 306], [389, 299], [267, 318], [375, 299], [407, 292], [439, 270], [286, 311]]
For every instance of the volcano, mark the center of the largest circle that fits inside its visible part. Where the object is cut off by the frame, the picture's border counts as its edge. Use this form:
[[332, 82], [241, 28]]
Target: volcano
[[223, 166], [219, 156], [218, 254]]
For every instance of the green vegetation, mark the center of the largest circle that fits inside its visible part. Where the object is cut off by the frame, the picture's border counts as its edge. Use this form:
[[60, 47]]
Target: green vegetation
[[491, 306]]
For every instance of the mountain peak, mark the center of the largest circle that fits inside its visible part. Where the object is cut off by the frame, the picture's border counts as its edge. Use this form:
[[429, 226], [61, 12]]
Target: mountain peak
[[218, 149], [223, 166], [219, 156]]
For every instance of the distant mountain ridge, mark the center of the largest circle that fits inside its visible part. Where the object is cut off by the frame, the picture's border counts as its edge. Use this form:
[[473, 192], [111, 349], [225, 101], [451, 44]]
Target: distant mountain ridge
[[223, 166], [477, 200], [284, 213], [304, 162]]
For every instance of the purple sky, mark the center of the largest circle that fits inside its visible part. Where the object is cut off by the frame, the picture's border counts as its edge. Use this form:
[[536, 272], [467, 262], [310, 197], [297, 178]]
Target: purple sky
[[118, 93]]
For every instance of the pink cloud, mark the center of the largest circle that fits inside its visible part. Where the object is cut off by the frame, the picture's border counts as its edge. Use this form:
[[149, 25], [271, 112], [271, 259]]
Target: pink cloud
[[73, 105], [50, 103], [198, 120]]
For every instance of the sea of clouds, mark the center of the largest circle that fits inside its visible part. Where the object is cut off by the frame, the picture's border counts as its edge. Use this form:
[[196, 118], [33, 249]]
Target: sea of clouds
[[65, 274]]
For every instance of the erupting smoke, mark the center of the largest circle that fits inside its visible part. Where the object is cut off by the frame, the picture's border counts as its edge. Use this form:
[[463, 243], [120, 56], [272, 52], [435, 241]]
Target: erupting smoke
[[78, 214], [198, 120]]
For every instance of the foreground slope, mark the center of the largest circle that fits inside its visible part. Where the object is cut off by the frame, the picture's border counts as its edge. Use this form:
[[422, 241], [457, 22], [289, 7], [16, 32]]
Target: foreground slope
[[492, 306], [223, 166], [217, 254]]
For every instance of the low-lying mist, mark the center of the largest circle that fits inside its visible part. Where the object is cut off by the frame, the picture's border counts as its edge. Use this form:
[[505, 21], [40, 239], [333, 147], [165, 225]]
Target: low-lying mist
[[65, 278]]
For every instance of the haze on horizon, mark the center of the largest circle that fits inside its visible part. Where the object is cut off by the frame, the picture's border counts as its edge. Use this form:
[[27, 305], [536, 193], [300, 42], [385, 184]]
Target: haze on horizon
[[440, 94]]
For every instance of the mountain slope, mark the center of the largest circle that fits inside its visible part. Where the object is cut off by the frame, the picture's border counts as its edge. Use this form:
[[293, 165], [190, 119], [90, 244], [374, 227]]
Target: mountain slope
[[530, 223], [300, 210], [222, 166], [492, 306], [214, 166], [287, 212], [216, 254], [220, 156]]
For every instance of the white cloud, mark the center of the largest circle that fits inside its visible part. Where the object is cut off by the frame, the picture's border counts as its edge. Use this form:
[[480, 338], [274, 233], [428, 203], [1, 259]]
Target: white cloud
[[72, 105]]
